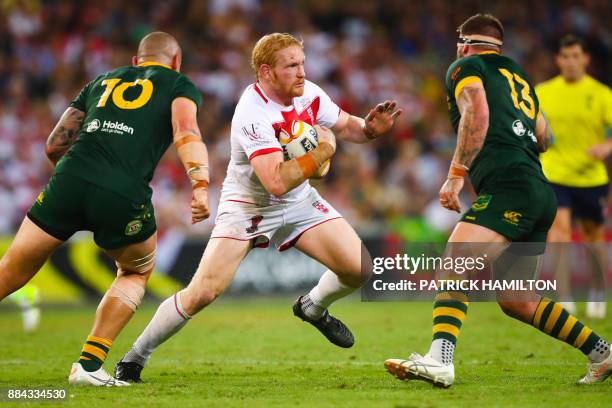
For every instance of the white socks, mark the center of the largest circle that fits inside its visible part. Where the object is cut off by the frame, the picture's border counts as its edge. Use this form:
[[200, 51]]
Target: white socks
[[442, 351], [169, 319], [328, 290]]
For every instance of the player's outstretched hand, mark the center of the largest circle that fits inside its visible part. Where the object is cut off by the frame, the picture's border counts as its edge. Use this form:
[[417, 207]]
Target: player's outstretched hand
[[449, 194], [600, 151], [380, 119], [326, 135], [199, 205]]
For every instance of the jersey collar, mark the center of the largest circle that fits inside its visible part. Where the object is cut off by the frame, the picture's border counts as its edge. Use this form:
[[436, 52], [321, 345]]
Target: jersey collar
[[153, 64], [261, 92], [259, 89], [488, 52]]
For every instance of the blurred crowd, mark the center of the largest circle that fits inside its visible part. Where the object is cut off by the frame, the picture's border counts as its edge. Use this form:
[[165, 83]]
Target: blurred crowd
[[360, 52]]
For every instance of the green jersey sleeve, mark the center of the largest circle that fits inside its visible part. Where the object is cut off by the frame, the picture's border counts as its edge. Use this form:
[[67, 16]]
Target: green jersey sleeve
[[463, 72], [80, 102], [183, 87]]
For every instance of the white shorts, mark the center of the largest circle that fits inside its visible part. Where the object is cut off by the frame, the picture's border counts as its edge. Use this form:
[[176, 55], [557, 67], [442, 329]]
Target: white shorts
[[281, 224]]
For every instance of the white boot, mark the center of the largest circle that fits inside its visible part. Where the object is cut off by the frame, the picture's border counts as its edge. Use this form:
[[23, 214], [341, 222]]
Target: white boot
[[99, 378]]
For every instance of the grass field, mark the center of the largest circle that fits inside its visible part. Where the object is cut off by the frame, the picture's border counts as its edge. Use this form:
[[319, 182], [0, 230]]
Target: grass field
[[254, 352]]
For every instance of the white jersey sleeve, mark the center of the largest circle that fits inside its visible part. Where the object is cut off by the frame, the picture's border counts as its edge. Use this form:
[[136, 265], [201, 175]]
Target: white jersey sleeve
[[329, 112]]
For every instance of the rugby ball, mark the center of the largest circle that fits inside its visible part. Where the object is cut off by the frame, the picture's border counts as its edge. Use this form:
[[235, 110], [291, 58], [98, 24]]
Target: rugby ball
[[303, 138]]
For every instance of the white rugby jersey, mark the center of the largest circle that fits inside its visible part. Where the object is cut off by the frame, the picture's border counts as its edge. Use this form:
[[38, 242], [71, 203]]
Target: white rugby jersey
[[256, 126]]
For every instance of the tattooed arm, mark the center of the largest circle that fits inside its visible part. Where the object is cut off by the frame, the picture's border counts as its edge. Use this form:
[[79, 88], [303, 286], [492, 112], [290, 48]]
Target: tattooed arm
[[473, 126], [64, 134]]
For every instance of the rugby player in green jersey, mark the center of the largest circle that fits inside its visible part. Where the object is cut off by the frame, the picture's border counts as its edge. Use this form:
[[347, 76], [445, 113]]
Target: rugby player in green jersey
[[105, 148], [500, 131]]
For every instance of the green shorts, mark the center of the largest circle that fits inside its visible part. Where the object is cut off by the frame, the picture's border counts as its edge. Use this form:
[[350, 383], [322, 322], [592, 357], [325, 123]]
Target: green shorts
[[69, 204], [520, 206]]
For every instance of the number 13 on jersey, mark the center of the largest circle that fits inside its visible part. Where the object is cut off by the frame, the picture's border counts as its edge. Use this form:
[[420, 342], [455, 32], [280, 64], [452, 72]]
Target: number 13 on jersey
[[526, 104]]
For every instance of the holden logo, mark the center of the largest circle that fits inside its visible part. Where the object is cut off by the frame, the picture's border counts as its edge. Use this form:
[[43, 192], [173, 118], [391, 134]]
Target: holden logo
[[518, 127], [93, 126]]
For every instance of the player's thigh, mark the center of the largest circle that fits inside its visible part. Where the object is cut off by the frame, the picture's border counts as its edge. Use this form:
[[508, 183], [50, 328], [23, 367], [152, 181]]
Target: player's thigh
[[468, 232], [27, 253], [216, 270], [474, 241], [336, 245], [245, 221], [120, 222], [52, 219], [515, 205], [58, 209], [138, 258]]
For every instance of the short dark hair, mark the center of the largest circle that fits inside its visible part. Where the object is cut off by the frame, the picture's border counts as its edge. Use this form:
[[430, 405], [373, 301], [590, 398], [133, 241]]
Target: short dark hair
[[570, 40], [483, 24]]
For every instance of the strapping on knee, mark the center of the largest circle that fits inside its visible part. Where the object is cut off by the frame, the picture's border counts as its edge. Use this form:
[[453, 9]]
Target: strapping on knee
[[128, 289], [139, 265]]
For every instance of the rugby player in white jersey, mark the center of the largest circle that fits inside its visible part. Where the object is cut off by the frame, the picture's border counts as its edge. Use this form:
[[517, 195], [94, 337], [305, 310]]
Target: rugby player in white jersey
[[266, 199]]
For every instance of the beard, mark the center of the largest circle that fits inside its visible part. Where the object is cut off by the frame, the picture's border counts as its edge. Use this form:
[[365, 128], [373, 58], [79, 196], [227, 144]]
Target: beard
[[297, 91], [288, 89]]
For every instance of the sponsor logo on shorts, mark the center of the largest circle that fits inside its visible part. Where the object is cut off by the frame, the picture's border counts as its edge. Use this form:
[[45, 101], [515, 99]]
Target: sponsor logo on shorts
[[41, 197], [320, 206], [133, 227], [482, 202], [470, 218], [254, 224], [518, 128], [93, 126], [512, 217]]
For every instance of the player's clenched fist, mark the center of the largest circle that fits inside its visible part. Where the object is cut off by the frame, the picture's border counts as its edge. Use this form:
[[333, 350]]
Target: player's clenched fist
[[449, 194], [199, 205]]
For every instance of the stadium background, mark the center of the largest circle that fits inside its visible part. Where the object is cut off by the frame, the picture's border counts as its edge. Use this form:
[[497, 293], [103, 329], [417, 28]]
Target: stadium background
[[359, 52]]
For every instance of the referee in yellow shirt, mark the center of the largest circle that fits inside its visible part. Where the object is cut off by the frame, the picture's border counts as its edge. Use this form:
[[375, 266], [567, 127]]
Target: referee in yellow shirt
[[579, 109]]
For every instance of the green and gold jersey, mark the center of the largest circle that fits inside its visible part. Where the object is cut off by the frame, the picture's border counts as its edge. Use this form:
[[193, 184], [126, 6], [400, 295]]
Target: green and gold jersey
[[127, 127], [510, 143]]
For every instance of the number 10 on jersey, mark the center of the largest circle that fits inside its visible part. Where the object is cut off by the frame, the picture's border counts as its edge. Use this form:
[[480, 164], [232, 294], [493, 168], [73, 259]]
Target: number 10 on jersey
[[117, 92]]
